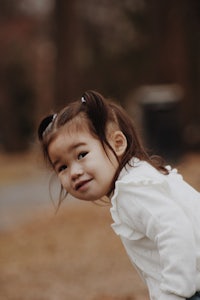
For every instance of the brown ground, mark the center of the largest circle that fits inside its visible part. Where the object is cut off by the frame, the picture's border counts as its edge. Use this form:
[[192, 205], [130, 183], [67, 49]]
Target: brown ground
[[73, 255]]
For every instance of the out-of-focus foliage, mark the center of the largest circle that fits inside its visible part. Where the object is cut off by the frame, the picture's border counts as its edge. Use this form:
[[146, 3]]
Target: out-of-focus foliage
[[110, 44], [117, 46], [19, 59], [51, 51]]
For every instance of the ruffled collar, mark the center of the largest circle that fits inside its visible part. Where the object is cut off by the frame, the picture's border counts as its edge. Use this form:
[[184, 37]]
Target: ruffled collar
[[132, 163]]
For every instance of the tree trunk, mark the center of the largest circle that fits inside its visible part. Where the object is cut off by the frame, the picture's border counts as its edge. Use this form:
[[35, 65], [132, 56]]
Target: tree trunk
[[67, 74]]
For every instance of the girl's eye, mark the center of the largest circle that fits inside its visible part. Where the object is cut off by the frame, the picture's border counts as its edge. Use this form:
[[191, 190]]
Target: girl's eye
[[62, 168], [82, 154]]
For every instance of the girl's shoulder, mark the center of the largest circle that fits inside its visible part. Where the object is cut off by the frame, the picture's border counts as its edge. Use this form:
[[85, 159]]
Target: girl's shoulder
[[138, 170], [141, 173]]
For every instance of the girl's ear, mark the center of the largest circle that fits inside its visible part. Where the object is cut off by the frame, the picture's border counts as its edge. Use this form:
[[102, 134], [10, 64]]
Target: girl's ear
[[119, 143]]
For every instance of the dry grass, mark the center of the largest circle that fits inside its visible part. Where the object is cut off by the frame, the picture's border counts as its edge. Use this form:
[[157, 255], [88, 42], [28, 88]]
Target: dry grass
[[73, 255]]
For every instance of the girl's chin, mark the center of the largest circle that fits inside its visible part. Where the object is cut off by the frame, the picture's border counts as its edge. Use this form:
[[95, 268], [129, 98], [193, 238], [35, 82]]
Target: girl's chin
[[90, 197]]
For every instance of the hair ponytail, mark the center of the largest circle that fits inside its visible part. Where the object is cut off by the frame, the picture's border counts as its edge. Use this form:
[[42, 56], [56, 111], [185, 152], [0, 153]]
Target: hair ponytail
[[96, 111]]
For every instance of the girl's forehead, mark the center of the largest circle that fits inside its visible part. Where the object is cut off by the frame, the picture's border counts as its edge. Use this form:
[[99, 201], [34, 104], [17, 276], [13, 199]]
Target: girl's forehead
[[68, 137]]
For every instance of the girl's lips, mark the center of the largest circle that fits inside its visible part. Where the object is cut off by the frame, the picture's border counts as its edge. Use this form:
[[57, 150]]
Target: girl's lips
[[81, 184]]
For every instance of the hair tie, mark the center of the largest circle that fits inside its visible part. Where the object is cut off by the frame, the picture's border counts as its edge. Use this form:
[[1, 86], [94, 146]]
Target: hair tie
[[54, 116], [83, 100], [50, 124]]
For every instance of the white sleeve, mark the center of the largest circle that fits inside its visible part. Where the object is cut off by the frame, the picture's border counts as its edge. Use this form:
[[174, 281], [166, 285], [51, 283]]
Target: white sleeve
[[156, 215]]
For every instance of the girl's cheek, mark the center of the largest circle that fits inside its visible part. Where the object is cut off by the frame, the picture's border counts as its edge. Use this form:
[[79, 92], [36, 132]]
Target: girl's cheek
[[64, 181]]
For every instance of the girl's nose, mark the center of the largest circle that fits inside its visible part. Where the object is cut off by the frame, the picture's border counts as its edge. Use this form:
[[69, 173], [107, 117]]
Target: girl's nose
[[76, 171]]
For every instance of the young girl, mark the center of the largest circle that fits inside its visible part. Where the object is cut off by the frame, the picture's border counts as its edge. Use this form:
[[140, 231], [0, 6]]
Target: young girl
[[94, 149]]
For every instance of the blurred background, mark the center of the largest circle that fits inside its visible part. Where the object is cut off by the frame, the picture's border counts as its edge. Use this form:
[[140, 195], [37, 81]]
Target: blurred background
[[144, 55]]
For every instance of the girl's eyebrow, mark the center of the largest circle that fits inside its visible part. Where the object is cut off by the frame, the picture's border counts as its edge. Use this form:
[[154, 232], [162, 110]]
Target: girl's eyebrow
[[71, 148], [76, 145]]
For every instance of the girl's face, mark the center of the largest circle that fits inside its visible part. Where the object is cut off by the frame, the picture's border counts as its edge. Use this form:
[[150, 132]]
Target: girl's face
[[83, 168]]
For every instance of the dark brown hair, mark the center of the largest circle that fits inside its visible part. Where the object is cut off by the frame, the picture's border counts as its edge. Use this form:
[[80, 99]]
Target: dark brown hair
[[99, 112]]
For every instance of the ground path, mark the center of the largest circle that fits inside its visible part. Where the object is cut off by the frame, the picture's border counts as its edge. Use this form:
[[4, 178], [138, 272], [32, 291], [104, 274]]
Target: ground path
[[24, 190], [73, 255]]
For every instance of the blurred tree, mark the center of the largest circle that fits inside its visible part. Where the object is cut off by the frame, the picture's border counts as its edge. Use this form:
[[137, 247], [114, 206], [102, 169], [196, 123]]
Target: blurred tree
[[16, 87], [66, 35], [175, 55], [8, 8], [170, 46], [17, 109], [112, 46], [193, 40], [97, 46], [115, 46]]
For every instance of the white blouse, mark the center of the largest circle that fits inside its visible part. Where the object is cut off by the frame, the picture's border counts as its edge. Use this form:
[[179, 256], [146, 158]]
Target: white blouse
[[157, 217]]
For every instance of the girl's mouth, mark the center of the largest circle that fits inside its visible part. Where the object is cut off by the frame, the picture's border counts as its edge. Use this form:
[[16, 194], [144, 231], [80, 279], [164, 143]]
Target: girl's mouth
[[81, 185]]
